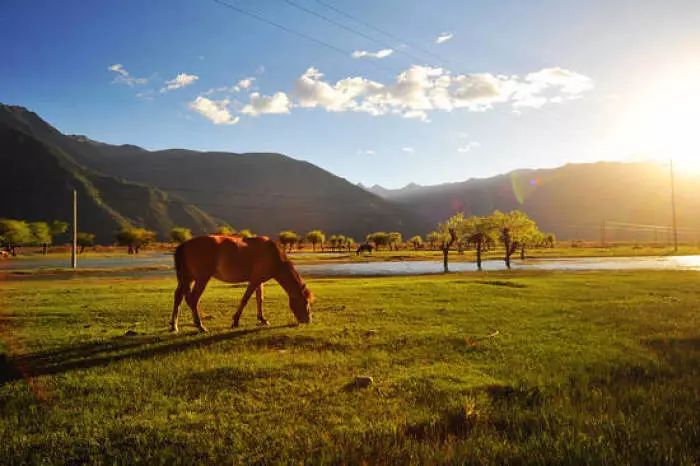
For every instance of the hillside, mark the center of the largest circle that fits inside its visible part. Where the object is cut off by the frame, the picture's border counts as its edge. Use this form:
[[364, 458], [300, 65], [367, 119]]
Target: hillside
[[571, 201], [261, 191]]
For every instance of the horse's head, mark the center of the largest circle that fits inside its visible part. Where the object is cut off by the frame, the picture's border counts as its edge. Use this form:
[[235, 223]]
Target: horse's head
[[301, 305]]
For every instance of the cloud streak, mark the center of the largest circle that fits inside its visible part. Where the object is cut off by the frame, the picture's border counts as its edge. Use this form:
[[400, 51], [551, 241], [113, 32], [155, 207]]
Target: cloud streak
[[123, 76], [383, 53], [443, 37], [179, 81]]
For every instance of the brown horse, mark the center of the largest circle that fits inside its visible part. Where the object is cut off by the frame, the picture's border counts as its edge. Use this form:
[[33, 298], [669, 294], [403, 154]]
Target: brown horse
[[232, 259]]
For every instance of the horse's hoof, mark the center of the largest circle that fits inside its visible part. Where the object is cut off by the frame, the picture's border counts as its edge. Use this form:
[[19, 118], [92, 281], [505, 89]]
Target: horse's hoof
[[263, 323], [202, 329], [234, 325], [173, 328]]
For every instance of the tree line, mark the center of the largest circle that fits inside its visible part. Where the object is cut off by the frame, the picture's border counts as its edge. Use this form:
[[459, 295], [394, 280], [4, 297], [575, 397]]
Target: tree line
[[513, 231]]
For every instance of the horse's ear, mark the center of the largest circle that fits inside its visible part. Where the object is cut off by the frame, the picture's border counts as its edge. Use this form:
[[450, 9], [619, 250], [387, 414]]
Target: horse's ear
[[310, 298]]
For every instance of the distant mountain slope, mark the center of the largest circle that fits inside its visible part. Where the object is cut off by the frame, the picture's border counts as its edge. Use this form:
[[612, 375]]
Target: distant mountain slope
[[38, 179], [571, 201], [264, 192]]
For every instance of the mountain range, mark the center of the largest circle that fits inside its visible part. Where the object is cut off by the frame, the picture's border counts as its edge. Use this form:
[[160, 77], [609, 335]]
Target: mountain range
[[121, 185]]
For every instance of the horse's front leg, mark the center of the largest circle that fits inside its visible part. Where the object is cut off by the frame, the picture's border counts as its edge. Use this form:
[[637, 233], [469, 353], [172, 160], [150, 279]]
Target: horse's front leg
[[252, 286], [259, 301]]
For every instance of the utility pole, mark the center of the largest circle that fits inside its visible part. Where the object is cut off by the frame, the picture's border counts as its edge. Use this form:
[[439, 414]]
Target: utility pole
[[74, 245], [673, 209]]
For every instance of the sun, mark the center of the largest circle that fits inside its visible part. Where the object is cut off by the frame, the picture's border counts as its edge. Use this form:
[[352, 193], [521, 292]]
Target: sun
[[664, 119]]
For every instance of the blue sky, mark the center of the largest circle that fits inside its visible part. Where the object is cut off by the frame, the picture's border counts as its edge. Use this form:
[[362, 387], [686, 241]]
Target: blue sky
[[518, 84]]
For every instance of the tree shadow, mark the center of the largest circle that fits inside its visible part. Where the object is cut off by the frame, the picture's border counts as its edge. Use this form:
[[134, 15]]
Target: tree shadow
[[96, 354]]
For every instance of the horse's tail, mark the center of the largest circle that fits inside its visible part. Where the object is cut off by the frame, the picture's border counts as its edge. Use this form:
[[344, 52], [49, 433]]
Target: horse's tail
[[183, 276]]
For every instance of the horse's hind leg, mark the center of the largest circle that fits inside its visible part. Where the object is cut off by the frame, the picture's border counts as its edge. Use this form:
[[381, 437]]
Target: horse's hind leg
[[193, 301], [259, 302], [180, 292]]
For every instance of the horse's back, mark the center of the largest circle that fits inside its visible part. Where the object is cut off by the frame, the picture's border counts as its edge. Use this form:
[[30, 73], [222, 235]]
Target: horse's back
[[228, 258]]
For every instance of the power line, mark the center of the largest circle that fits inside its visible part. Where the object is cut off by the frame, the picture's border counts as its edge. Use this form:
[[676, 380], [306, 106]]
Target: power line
[[289, 30], [282, 27], [381, 31], [348, 28]]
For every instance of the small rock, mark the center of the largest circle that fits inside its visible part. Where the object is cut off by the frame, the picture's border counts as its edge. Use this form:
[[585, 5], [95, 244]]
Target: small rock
[[86, 326], [131, 333], [363, 381], [371, 333]]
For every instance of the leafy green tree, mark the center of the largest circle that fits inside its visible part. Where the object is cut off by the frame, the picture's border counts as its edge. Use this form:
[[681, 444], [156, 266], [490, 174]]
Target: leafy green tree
[[135, 238], [446, 236], [379, 238], [288, 239], [246, 233], [416, 241], [41, 235], [180, 234], [226, 230], [433, 239], [349, 243], [395, 239], [85, 240], [513, 228], [58, 228], [481, 233], [316, 237], [14, 233]]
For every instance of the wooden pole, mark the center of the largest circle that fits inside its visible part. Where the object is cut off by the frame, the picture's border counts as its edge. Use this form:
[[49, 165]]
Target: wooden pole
[[74, 245], [673, 210]]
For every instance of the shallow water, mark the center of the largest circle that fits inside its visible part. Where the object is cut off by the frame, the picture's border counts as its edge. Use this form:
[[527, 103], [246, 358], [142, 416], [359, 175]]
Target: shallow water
[[164, 261]]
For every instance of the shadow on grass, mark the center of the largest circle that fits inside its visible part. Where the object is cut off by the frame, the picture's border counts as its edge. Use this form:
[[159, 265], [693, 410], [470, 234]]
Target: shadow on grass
[[88, 355]]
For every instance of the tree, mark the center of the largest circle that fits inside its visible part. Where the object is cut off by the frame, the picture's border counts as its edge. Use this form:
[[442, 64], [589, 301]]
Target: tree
[[550, 240], [513, 228], [246, 233], [445, 237], [41, 235], [288, 239], [14, 233], [135, 238], [180, 234], [481, 233], [379, 238], [58, 228], [433, 238], [85, 240], [416, 241], [349, 243], [395, 239], [226, 230], [316, 237], [337, 242]]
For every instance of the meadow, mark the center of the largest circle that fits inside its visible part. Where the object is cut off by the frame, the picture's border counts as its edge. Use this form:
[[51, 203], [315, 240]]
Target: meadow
[[524, 367]]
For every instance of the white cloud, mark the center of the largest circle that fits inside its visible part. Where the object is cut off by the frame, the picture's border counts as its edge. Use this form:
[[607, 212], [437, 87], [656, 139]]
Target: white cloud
[[443, 37], [123, 76], [245, 83], [179, 81], [383, 53], [408, 150], [418, 91], [468, 147], [215, 111], [366, 152], [262, 104]]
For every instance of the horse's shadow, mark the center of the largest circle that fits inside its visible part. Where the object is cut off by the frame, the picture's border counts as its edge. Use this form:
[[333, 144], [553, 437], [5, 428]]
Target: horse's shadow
[[96, 354]]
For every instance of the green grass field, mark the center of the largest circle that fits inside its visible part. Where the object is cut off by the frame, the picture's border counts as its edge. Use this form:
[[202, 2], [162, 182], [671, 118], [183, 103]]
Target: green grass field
[[572, 368]]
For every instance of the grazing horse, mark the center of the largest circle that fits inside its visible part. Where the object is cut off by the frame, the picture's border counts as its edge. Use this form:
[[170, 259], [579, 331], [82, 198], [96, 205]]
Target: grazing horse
[[366, 247], [233, 260]]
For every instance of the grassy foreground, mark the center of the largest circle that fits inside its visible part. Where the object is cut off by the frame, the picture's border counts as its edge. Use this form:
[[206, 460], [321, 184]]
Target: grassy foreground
[[473, 368]]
